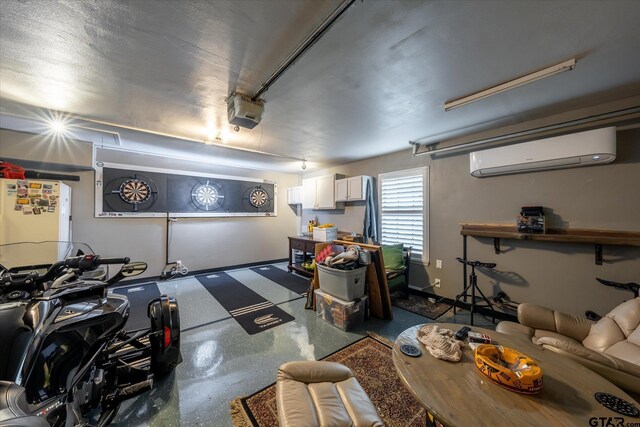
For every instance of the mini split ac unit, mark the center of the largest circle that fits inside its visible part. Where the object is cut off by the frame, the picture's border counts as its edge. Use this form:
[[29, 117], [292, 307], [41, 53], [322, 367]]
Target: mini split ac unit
[[567, 151], [243, 111]]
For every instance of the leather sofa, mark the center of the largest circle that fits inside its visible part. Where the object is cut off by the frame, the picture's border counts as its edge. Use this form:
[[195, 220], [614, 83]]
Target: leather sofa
[[311, 393], [609, 347]]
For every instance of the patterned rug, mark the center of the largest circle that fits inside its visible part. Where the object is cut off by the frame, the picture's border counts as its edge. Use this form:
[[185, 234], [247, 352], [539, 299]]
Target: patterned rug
[[420, 305], [370, 360]]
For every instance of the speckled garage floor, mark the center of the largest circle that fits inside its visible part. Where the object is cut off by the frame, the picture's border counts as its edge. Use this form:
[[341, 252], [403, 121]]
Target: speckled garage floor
[[221, 361]]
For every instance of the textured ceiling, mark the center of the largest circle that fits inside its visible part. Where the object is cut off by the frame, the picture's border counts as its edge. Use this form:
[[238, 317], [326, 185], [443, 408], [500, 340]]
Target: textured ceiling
[[376, 80]]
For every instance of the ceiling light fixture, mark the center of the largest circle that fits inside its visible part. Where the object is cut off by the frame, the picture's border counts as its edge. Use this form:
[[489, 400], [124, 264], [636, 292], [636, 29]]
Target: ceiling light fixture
[[304, 164], [57, 126], [520, 81]]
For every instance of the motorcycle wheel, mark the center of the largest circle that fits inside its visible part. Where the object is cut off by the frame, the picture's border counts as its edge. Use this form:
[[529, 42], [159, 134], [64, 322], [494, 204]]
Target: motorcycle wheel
[[165, 335]]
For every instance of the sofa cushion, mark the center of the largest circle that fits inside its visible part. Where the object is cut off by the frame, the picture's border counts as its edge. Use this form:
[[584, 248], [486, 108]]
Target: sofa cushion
[[575, 348], [541, 333], [626, 351], [512, 328], [634, 338], [627, 316], [603, 335], [310, 393], [616, 326], [393, 257]]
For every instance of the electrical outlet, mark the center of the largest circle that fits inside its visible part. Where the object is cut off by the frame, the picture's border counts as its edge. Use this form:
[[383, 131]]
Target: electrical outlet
[[438, 263], [437, 283]]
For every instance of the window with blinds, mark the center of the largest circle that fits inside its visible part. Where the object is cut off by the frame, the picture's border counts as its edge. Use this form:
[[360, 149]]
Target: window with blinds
[[404, 205]]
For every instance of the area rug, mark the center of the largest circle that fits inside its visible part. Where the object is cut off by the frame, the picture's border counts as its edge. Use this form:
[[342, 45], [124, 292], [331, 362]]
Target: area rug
[[291, 281], [421, 305], [251, 310], [370, 360], [139, 297]]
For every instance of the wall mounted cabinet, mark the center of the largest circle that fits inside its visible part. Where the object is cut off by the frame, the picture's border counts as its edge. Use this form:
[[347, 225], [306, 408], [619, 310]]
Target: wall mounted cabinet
[[319, 192], [352, 189], [294, 195]]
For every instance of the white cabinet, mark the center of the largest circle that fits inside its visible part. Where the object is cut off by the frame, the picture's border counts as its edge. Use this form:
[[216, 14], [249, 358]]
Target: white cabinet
[[319, 192], [352, 189], [325, 192], [294, 195], [309, 193], [342, 190]]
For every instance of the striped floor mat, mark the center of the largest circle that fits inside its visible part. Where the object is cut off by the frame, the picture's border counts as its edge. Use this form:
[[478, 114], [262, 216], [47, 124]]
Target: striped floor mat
[[291, 281], [252, 311]]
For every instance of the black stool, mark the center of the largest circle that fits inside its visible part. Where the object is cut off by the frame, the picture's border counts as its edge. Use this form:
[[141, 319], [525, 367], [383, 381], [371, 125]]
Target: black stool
[[473, 284]]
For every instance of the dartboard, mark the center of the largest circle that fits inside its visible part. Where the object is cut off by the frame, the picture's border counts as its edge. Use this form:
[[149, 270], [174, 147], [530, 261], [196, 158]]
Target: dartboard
[[257, 199], [617, 404], [207, 196], [134, 191]]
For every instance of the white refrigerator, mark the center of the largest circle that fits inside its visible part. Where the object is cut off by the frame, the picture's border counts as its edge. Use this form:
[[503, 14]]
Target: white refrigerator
[[33, 211]]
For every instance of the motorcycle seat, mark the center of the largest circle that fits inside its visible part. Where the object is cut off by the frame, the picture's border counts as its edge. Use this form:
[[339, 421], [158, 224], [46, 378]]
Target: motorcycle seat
[[14, 410]]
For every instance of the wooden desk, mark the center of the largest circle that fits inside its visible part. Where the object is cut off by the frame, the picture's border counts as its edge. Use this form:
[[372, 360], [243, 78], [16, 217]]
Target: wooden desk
[[457, 395], [307, 246]]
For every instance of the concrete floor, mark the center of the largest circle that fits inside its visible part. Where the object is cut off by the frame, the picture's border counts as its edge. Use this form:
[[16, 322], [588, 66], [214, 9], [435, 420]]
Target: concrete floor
[[222, 362]]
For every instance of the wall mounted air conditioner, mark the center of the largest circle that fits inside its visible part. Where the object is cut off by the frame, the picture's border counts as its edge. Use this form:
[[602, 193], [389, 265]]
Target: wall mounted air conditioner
[[243, 111], [567, 151]]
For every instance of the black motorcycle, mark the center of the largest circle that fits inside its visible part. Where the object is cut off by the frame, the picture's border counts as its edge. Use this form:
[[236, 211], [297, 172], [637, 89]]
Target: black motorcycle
[[65, 358]]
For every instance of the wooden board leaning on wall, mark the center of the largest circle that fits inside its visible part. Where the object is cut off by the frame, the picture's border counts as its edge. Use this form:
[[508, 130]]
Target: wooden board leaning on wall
[[379, 299]]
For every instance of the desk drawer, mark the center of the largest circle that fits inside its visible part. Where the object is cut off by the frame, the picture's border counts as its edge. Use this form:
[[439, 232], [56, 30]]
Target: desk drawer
[[299, 245]]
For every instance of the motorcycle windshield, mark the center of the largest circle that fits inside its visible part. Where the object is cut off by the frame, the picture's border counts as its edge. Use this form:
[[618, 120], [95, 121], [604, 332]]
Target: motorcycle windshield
[[21, 256]]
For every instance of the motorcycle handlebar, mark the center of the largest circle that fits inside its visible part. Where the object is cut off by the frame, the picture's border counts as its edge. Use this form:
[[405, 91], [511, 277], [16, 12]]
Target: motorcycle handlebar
[[101, 261], [82, 263]]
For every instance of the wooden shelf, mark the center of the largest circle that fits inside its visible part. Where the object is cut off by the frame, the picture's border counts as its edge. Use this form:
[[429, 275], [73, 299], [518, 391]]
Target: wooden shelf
[[569, 235], [301, 270]]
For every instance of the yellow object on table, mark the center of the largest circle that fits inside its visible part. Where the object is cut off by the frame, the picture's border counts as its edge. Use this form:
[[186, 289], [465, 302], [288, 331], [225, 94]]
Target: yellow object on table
[[508, 368], [327, 225]]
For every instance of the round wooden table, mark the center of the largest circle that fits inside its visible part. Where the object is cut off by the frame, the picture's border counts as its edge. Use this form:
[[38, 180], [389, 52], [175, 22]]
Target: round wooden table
[[457, 395]]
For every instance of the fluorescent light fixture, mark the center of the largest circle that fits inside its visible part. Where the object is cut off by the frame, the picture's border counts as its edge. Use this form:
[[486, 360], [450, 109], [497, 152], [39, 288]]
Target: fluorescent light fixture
[[520, 81]]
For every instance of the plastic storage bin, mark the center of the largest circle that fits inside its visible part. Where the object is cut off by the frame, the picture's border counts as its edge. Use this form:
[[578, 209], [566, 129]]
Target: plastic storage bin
[[344, 284], [325, 234], [341, 314]]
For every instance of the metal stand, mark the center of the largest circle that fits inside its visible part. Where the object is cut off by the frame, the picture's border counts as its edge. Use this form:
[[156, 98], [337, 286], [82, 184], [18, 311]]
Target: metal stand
[[473, 286]]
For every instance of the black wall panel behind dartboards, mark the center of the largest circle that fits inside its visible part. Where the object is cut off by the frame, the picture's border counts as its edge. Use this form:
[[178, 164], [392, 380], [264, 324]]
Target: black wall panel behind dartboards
[[135, 192]]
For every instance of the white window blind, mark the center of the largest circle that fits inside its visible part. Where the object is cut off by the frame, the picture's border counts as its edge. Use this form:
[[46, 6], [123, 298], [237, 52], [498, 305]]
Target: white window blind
[[403, 209]]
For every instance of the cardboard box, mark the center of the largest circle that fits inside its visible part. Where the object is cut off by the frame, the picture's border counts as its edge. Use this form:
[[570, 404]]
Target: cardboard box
[[325, 234], [341, 314]]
